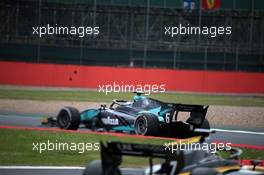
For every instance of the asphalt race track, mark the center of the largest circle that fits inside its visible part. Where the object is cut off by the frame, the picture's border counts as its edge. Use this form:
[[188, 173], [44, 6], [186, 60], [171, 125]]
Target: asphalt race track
[[235, 137], [254, 139], [43, 171], [57, 170]]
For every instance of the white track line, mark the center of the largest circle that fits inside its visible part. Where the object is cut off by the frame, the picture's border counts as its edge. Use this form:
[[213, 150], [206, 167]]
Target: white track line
[[43, 167], [237, 131], [50, 168]]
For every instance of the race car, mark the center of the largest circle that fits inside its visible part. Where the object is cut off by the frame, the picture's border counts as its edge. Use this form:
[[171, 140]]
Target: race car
[[143, 116], [180, 162]]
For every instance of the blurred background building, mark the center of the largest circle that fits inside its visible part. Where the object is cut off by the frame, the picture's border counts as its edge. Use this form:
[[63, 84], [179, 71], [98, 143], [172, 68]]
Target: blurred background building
[[132, 33]]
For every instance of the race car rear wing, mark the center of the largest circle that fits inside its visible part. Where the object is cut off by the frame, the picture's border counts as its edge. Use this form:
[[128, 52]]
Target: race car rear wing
[[188, 107], [197, 112], [112, 152]]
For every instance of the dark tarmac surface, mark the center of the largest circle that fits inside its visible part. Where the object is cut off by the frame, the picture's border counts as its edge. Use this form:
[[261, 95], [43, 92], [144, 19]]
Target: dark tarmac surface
[[39, 172], [249, 138], [61, 171], [254, 139]]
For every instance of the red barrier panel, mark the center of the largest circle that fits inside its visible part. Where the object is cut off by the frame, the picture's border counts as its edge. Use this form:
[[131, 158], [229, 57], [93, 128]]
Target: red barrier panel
[[17, 73]]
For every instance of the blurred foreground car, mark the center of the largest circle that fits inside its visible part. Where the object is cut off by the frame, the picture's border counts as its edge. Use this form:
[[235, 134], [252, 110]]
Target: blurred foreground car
[[176, 163]]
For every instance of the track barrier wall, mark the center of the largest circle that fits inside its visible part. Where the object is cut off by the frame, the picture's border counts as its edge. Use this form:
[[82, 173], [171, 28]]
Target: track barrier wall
[[54, 75]]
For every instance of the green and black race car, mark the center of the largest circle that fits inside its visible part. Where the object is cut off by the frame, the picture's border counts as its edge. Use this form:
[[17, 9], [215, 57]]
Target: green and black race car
[[142, 115]]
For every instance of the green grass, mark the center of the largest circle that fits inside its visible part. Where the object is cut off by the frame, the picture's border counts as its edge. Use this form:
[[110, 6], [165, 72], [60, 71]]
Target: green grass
[[94, 96], [17, 148]]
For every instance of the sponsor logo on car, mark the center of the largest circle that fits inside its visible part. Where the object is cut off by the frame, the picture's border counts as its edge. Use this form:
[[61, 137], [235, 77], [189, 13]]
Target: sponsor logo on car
[[110, 121]]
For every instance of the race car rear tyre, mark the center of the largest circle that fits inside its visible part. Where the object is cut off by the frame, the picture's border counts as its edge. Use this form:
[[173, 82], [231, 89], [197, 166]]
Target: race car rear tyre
[[147, 124], [68, 118]]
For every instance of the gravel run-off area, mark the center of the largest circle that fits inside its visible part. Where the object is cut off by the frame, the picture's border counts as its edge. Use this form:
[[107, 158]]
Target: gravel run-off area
[[236, 117]]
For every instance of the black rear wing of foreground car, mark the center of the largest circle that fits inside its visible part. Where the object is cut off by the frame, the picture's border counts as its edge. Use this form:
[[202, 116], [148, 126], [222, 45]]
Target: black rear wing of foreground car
[[112, 152]]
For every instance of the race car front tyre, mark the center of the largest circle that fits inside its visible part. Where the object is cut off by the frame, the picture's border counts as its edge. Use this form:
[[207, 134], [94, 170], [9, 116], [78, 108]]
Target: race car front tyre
[[95, 168], [147, 124], [68, 118]]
